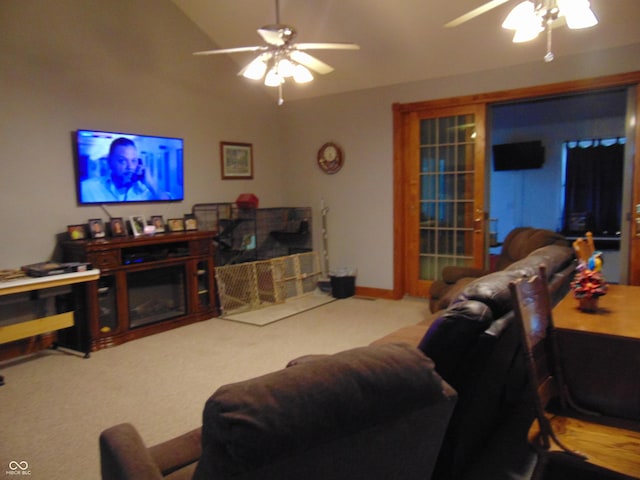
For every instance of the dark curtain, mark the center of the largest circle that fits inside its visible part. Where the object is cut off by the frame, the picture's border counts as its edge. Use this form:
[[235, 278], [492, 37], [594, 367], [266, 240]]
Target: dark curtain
[[594, 186]]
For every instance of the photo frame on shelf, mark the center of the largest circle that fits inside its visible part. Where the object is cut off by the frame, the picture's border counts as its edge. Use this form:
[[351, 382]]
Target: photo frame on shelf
[[236, 160], [117, 227], [190, 222], [176, 224], [137, 225], [158, 222], [96, 228], [77, 232]]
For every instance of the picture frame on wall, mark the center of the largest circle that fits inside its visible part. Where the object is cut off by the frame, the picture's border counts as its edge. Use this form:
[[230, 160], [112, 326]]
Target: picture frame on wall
[[158, 222], [117, 227], [96, 228], [137, 225], [176, 224], [236, 160], [77, 232]]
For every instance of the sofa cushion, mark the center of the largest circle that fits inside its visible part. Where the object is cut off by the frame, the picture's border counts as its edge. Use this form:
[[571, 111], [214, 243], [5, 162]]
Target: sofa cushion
[[251, 424]]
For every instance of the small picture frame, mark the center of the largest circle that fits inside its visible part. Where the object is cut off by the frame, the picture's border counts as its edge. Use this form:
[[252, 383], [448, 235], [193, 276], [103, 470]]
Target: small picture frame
[[137, 225], [190, 222], [236, 160], [176, 224], [158, 222], [117, 227], [96, 228], [77, 232]]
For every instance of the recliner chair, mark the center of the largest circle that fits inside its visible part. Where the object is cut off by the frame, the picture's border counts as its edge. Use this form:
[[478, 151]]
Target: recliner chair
[[376, 412]]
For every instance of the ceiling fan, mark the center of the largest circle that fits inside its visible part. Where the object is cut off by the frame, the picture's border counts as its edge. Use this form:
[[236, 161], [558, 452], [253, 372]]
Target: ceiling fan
[[531, 17], [281, 58]]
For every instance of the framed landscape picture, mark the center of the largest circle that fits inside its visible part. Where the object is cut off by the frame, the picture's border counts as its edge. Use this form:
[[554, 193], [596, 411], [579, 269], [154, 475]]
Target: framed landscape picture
[[236, 160]]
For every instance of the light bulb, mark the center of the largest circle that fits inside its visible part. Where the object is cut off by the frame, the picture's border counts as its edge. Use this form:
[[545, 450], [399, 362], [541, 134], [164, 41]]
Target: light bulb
[[577, 13], [527, 33], [273, 79], [285, 68], [255, 70], [522, 14], [301, 74]]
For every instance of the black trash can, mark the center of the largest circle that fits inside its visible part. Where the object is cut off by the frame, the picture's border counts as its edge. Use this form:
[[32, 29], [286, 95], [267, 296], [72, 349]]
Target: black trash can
[[343, 282]]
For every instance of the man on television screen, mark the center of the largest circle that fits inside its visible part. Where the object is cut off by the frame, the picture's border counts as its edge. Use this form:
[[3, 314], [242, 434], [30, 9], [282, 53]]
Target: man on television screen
[[127, 179]]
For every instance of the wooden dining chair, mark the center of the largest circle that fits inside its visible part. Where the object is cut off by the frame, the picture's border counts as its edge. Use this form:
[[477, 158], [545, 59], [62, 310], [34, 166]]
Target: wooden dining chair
[[560, 424]]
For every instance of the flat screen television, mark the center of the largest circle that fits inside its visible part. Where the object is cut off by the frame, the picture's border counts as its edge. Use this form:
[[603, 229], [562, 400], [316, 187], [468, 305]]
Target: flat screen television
[[518, 156], [114, 167]]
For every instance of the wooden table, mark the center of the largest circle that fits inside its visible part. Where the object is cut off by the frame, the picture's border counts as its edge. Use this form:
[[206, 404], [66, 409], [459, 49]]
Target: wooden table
[[601, 351], [39, 326]]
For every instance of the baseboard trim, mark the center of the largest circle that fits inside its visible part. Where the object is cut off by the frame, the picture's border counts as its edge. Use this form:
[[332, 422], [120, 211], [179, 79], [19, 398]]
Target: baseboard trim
[[377, 293]]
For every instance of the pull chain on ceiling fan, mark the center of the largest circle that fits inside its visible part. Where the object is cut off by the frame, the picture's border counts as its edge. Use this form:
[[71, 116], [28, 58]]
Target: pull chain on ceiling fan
[[281, 58], [529, 18]]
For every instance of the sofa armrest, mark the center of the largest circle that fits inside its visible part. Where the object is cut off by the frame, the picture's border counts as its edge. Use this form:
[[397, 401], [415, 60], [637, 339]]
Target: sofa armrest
[[178, 452], [312, 357], [124, 456]]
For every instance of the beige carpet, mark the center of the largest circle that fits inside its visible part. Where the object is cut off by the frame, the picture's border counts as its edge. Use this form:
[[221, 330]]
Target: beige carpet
[[273, 313], [54, 405]]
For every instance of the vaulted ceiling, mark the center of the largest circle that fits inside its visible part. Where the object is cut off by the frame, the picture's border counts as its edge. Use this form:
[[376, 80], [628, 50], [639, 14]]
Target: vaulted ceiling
[[403, 40]]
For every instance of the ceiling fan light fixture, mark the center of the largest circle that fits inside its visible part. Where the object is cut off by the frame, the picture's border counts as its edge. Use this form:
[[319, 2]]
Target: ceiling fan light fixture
[[522, 15], [256, 69], [285, 68], [527, 33], [302, 74], [273, 78], [577, 13]]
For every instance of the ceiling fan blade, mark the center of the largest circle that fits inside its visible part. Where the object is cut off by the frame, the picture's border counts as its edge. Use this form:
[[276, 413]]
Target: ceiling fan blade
[[231, 50], [475, 13], [328, 46], [311, 62]]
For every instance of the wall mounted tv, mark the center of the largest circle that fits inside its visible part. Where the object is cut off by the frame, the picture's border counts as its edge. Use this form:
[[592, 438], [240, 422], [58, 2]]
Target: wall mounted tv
[[114, 167], [518, 156]]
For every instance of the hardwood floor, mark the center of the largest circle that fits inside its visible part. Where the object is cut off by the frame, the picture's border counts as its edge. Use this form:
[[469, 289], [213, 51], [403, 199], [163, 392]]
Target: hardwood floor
[[607, 446]]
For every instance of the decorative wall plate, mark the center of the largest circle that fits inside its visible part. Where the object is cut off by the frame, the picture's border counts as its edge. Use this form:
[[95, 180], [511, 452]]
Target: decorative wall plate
[[330, 157]]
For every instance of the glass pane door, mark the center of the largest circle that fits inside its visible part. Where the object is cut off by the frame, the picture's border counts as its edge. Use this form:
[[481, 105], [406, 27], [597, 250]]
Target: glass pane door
[[444, 191], [447, 168]]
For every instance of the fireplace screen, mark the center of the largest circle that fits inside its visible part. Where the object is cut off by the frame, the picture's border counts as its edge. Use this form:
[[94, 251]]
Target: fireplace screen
[[156, 295]]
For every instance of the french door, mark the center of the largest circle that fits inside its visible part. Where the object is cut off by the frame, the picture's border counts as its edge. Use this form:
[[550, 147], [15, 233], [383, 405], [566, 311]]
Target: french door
[[444, 176]]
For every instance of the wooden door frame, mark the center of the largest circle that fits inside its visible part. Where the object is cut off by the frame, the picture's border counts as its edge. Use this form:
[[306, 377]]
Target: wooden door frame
[[400, 111]]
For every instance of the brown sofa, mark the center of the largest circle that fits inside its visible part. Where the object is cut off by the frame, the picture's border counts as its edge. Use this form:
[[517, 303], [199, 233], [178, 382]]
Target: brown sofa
[[376, 412], [518, 243], [477, 350]]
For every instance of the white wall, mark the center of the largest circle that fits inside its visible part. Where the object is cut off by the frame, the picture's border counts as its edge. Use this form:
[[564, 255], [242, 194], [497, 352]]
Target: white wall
[[127, 65], [360, 196], [116, 65]]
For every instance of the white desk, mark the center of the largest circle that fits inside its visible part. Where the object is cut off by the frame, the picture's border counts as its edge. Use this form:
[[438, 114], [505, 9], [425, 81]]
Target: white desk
[[38, 326]]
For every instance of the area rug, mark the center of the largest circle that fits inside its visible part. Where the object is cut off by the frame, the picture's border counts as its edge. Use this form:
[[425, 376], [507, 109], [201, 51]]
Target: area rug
[[273, 313]]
